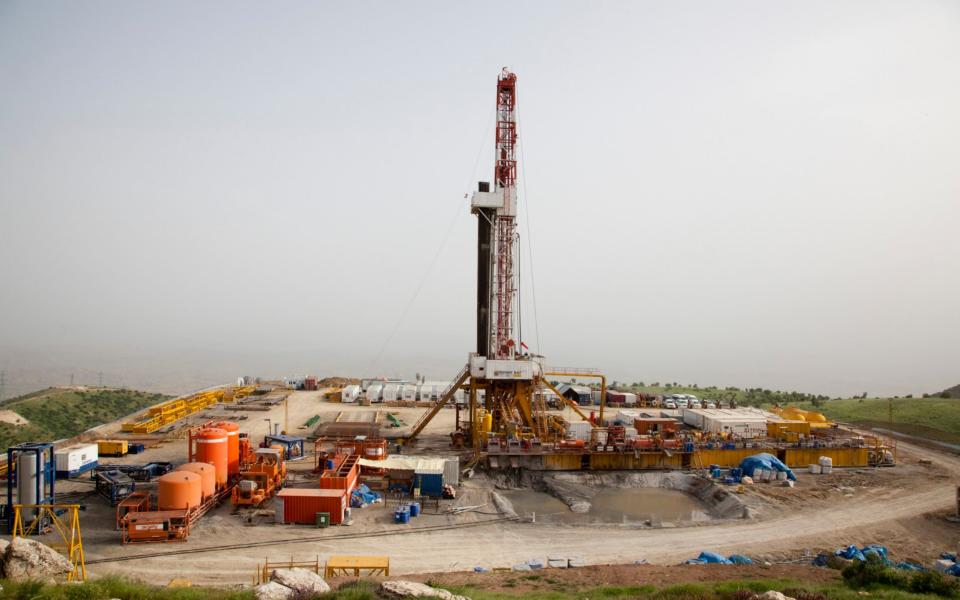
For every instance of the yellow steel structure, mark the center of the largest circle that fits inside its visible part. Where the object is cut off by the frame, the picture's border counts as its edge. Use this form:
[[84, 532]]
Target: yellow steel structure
[[511, 408], [174, 410], [66, 526], [356, 566]]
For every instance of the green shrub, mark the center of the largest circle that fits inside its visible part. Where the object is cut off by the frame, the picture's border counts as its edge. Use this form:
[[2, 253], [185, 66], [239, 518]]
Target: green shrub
[[931, 582], [872, 573]]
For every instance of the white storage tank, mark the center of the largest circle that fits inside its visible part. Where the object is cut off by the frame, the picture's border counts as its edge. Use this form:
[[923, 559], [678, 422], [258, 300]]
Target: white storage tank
[[73, 460]]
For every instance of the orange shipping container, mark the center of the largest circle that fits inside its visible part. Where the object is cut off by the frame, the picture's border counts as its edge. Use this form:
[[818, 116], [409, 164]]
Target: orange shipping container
[[302, 505], [646, 426]]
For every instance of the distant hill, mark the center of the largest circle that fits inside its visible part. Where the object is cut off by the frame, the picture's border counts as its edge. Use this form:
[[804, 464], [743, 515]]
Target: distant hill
[[953, 392], [57, 413]]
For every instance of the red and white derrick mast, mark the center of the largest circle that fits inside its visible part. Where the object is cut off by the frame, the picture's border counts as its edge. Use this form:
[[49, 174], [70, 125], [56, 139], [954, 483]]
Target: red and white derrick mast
[[505, 180]]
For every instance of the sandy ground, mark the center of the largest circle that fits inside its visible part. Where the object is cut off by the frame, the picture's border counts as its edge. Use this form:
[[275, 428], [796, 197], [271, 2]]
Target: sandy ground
[[901, 507], [9, 416]]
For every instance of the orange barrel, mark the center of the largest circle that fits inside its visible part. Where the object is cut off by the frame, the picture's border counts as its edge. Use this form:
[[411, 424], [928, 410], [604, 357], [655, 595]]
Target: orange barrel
[[179, 490], [233, 445], [208, 476], [211, 448]]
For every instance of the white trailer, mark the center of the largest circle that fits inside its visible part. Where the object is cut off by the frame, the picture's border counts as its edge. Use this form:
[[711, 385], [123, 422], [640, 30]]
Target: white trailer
[[73, 460], [351, 393], [373, 392], [408, 392], [391, 392]]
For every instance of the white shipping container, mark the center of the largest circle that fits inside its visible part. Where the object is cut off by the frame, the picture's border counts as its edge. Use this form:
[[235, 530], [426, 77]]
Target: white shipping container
[[629, 398], [373, 392], [74, 458]]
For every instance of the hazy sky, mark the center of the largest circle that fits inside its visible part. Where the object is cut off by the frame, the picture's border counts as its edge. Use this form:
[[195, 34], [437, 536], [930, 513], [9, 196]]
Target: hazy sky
[[737, 193]]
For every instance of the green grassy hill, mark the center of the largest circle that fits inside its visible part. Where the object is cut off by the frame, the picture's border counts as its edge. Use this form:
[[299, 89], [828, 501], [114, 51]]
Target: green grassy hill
[[934, 418], [57, 413]]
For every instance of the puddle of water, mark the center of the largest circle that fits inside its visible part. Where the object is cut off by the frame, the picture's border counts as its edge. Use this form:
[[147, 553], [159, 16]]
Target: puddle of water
[[613, 505]]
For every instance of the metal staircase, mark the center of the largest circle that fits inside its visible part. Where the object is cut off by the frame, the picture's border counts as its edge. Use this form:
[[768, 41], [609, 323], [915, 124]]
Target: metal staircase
[[439, 403]]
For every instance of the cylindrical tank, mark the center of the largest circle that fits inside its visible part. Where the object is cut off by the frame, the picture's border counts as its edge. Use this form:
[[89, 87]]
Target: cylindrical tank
[[487, 423], [233, 445], [373, 452], [29, 480], [211, 448], [179, 490], [208, 476]]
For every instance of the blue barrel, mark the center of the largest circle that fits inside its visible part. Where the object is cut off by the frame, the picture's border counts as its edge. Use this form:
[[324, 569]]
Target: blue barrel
[[414, 509], [329, 464], [402, 515]]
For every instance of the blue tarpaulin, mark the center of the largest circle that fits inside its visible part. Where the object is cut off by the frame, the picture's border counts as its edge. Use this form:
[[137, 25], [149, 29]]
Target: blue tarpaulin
[[954, 570], [851, 552], [909, 566], [712, 558], [362, 496], [765, 461]]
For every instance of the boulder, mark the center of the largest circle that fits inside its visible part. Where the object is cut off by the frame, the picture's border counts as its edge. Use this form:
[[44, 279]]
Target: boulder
[[29, 560], [838, 562], [412, 589], [273, 591], [302, 581], [773, 595]]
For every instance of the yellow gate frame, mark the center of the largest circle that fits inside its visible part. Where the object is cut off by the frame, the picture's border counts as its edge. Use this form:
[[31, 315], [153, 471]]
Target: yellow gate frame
[[68, 530]]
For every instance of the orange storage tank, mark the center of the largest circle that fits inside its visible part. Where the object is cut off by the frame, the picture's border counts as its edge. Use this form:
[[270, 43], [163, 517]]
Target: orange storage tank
[[211, 447], [179, 490], [208, 476], [233, 445]]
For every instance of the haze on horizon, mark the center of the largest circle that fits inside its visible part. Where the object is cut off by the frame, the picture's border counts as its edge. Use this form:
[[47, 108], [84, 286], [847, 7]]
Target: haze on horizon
[[743, 193]]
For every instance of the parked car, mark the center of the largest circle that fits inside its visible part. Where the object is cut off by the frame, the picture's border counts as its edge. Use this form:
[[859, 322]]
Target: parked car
[[681, 401], [668, 402], [709, 404]]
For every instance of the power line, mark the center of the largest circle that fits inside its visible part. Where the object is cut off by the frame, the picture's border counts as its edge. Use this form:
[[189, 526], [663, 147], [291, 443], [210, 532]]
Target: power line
[[526, 212], [436, 256]]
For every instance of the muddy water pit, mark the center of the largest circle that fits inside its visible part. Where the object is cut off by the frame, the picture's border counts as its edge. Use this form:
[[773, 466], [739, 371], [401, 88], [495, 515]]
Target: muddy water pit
[[641, 506]]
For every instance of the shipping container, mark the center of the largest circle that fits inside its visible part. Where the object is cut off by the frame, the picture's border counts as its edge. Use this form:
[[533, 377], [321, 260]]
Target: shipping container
[[310, 384], [73, 460], [428, 476], [112, 447], [649, 426], [301, 506]]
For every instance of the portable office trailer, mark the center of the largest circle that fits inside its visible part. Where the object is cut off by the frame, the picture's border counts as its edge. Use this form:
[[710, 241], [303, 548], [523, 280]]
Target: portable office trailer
[[373, 392], [351, 393], [301, 505], [390, 392], [73, 460], [408, 392], [742, 423]]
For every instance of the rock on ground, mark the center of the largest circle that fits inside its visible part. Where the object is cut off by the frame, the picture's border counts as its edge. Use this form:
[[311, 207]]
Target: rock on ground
[[25, 559], [772, 595], [412, 589], [273, 591], [302, 581]]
